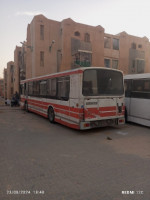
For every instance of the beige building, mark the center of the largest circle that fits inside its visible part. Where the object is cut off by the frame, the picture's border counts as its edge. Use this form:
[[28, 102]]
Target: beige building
[[10, 79], [54, 46], [5, 83], [17, 64], [57, 46], [128, 53], [1, 87]]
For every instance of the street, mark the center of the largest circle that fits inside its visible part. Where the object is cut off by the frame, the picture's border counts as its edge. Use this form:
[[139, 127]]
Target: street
[[40, 160]]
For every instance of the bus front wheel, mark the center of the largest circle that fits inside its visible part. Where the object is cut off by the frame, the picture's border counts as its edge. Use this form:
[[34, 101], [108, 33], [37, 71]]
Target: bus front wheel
[[51, 115]]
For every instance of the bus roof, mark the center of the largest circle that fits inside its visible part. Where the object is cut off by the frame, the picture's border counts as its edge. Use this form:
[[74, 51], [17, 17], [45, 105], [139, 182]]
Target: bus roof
[[137, 76], [67, 72]]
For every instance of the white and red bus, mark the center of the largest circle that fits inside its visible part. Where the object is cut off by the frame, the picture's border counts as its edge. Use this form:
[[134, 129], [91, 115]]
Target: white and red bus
[[83, 98]]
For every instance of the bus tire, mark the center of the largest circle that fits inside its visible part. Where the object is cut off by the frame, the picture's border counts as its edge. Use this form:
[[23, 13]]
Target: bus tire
[[51, 115]]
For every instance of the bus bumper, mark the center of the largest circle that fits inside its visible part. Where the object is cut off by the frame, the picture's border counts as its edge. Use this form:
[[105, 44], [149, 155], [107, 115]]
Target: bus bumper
[[101, 123]]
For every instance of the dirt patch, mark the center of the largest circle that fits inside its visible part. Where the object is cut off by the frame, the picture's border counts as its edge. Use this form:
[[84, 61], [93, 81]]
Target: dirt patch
[[138, 145]]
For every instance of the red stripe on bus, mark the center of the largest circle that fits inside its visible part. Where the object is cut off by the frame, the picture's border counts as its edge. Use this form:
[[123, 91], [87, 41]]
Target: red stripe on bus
[[89, 112], [47, 104], [69, 114], [40, 113], [94, 112], [60, 111], [75, 126], [110, 108], [38, 105]]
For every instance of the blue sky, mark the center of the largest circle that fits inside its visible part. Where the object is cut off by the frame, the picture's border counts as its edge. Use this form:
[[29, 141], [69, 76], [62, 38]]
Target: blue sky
[[115, 16]]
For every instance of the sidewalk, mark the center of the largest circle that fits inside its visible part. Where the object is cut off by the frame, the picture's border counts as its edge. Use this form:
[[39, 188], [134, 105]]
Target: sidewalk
[[3, 106]]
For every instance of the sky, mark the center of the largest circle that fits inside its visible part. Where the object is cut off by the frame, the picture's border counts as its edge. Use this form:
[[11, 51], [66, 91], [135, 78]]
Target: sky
[[115, 16]]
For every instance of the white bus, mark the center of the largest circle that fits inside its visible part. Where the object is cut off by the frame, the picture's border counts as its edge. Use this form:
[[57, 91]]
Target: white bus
[[137, 98], [83, 98]]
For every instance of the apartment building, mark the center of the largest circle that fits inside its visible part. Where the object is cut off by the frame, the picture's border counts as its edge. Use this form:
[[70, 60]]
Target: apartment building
[[54, 46], [128, 53], [10, 79], [5, 83], [1, 87], [57, 46], [17, 65]]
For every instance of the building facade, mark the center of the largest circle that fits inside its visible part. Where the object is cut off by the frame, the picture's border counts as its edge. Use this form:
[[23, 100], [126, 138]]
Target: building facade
[[128, 53], [5, 83], [53, 46], [10, 79], [1, 87], [17, 64], [57, 46]]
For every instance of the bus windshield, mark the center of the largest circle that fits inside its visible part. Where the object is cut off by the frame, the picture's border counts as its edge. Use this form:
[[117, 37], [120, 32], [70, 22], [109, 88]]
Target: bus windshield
[[97, 82]]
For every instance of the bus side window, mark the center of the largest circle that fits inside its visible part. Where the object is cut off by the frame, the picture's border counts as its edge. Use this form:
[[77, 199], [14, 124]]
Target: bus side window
[[147, 85], [128, 87], [51, 88], [141, 89], [36, 88], [30, 88], [43, 88], [138, 85], [63, 88]]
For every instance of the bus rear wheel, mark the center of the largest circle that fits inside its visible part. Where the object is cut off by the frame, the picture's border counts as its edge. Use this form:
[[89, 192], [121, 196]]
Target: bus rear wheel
[[51, 115]]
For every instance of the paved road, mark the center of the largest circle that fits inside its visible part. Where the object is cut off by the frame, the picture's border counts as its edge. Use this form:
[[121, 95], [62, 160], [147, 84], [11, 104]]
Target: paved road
[[37, 157]]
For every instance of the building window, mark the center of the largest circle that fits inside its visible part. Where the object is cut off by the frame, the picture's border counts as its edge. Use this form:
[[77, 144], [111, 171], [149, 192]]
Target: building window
[[11, 90], [42, 58], [133, 45], [77, 33], [115, 64], [107, 62], [107, 42], [82, 59], [139, 46], [12, 79], [87, 37], [115, 44], [42, 32], [140, 65], [11, 68]]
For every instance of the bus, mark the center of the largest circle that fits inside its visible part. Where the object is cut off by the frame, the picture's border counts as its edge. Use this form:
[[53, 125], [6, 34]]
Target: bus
[[82, 98], [137, 98]]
